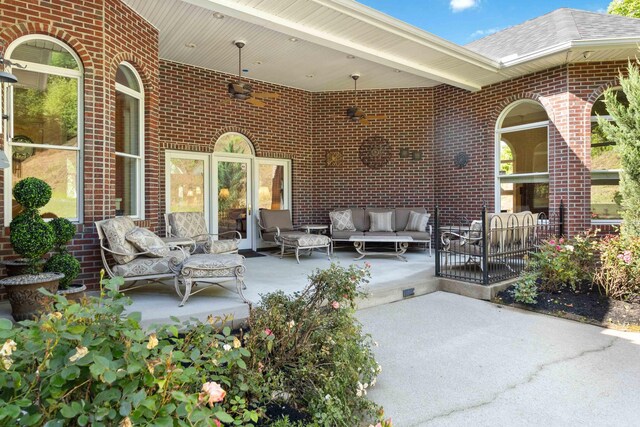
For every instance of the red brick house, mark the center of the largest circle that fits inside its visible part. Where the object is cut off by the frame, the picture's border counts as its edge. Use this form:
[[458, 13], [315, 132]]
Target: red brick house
[[123, 106]]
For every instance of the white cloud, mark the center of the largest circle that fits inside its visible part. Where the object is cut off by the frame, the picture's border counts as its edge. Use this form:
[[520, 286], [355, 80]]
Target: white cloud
[[460, 5], [481, 33]]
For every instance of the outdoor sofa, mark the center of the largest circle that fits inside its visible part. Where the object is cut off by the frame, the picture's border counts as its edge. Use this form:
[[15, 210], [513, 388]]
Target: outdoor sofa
[[399, 225]]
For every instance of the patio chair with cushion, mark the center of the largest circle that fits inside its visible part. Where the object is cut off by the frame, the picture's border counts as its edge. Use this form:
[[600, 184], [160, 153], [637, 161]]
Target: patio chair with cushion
[[135, 253], [191, 225], [276, 227]]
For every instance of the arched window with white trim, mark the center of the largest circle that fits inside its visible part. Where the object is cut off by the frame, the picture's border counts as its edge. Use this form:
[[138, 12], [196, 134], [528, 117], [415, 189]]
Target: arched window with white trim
[[522, 172], [129, 131], [605, 168], [45, 135]]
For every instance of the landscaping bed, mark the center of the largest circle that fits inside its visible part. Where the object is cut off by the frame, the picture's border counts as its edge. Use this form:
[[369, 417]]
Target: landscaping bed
[[584, 305]]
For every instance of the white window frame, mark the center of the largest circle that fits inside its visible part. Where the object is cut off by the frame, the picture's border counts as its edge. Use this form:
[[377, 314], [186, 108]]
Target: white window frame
[[610, 173], [534, 177], [8, 144], [223, 153], [139, 95]]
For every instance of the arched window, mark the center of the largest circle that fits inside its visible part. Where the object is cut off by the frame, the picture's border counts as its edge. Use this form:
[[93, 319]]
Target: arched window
[[44, 136], [129, 126], [605, 167], [522, 158], [233, 143]]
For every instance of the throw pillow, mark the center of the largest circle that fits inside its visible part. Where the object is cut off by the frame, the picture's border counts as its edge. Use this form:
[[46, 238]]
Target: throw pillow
[[115, 230], [417, 221], [146, 241], [380, 221], [342, 220]]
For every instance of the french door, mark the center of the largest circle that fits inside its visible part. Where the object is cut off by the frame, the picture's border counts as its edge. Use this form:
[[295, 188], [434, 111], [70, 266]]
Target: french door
[[232, 183], [227, 189]]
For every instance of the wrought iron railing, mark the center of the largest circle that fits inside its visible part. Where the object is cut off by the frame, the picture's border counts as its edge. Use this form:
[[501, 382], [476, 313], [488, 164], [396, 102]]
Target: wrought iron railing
[[492, 248]]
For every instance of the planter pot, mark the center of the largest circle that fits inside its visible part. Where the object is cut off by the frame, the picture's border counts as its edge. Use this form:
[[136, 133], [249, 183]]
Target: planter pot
[[26, 301], [75, 292], [16, 267]]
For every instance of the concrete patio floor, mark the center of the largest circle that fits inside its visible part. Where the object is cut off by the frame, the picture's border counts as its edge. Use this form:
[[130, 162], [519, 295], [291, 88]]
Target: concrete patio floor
[[454, 361], [389, 276]]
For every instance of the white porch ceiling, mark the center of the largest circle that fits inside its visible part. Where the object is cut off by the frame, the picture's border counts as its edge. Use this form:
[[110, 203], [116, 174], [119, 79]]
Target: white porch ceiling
[[328, 31]]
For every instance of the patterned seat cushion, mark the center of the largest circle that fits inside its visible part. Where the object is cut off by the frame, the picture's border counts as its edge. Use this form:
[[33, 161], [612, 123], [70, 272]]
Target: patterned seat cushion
[[221, 246], [187, 224], [147, 266], [147, 241], [211, 265], [381, 221], [115, 230], [307, 240]]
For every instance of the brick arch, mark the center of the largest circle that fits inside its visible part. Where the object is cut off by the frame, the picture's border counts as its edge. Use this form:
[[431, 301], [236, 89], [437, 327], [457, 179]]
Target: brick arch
[[140, 66], [530, 96], [10, 34], [597, 93], [236, 129]]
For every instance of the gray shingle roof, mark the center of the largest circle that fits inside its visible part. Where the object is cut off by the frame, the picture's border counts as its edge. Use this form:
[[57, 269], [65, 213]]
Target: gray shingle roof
[[560, 26]]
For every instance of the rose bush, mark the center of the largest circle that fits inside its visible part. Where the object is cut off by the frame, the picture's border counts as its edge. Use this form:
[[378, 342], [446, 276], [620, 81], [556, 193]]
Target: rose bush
[[618, 273]]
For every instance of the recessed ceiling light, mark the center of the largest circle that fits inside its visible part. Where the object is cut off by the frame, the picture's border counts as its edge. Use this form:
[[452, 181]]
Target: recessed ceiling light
[[218, 15], [293, 39], [257, 63], [190, 45], [310, 76], [351, 57], [397, 71]]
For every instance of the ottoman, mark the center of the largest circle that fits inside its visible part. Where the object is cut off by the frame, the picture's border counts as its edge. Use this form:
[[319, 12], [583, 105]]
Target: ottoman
[[210, 268], [304, 241]]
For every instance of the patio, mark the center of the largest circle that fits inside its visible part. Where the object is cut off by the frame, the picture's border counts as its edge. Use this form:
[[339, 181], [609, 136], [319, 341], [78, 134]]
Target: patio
[[389, 277]]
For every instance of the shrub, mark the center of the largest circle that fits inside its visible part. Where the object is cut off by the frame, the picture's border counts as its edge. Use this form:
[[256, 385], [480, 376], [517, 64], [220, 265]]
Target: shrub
[[618, 274], [66, 264], [69, 368], [62, 261], [560, 262], [526, 289], [309, 350], [31, 236], [32, 193]]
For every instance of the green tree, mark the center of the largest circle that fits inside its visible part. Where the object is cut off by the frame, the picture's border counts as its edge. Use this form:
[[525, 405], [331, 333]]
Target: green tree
[[624, 130], [630, 8]]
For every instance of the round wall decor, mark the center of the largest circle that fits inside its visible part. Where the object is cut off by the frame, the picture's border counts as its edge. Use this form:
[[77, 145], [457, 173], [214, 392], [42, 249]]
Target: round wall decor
[[375, 152], [461, 159]]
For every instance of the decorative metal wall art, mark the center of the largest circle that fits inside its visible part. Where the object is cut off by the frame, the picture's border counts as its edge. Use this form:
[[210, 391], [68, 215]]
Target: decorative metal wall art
[[334, 158], [375, 152], [461, 159]]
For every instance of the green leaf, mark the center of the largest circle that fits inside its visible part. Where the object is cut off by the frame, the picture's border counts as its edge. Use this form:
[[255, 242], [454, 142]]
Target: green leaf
[[226, 331], [70, 372], [241, 364], [163, 422], [10, 411], [83, 420], [174, 319], [224, 417], [135, 316], [6, 324], [110, 377], [54, 423], [30, 420]]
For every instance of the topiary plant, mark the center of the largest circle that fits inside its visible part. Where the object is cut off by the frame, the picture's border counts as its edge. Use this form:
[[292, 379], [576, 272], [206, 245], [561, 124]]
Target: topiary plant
[[62, 261], [31, 236]]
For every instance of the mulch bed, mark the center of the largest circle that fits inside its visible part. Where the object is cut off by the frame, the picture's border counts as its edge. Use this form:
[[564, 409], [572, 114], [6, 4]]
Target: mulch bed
[[584, 306]]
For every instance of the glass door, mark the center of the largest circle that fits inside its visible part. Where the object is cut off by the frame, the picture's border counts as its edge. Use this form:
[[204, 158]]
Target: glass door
[[187, 182], [233, 193]]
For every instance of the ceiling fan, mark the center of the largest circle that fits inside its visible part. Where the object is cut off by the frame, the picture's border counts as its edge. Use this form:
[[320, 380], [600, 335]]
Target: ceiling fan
[[355, 113], [244, 91]]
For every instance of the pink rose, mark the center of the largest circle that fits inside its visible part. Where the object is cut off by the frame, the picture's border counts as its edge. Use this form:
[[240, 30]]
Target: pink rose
[[268, 331], [552, 242], [218, 423], [367, 264], [335, 305], [212, 393], [558, 247]]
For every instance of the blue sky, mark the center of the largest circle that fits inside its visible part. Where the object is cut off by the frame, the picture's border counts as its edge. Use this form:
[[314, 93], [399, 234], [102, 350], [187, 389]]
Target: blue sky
[[462, 21]]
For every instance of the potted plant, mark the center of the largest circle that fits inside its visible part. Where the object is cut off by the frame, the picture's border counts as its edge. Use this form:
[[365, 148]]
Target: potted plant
[[32, 238], [62, 261]]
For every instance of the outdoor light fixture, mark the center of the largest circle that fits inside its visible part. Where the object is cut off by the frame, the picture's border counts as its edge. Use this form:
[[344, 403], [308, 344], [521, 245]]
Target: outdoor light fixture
[[416, 155], [405, 153], [4, 76], [4, 162]]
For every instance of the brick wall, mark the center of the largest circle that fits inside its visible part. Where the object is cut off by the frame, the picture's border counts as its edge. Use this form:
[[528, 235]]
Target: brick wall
[[466, 121], [196, 110], [402, 182], [103, 33]]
